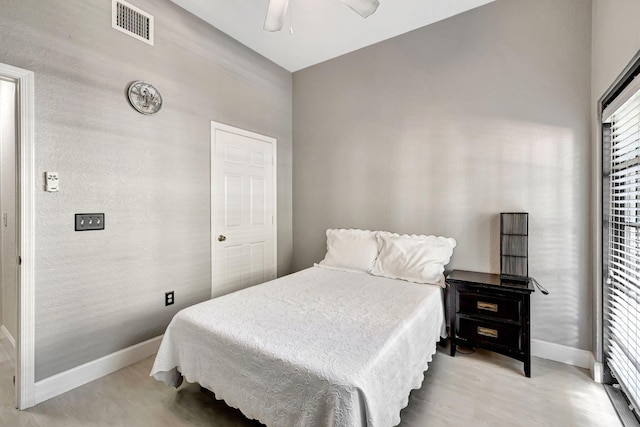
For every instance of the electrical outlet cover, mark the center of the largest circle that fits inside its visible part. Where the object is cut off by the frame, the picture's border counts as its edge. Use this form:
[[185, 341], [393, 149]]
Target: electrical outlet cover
[[169, 298]]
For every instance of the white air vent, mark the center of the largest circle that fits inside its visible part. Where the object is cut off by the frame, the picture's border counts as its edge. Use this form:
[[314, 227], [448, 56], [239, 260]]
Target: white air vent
[[130, 20]]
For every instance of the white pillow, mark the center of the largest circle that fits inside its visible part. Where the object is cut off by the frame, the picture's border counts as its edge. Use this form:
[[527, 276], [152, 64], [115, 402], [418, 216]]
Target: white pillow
[[419, 259], [350, 250]]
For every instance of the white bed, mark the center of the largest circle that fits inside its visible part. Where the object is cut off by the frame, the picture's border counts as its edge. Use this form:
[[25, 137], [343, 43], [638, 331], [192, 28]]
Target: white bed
[[316, 348]]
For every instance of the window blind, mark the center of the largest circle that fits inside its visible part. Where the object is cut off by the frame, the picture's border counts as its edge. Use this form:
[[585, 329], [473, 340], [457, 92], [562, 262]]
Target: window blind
[[622, 261]]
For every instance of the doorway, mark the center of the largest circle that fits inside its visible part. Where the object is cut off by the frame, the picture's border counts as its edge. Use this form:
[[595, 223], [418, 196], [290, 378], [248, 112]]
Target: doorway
[[21, 259], [8, 233], [243, 209]]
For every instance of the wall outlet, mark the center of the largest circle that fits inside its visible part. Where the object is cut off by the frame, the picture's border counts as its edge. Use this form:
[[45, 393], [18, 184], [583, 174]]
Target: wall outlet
[[85, 222], [168, 298]]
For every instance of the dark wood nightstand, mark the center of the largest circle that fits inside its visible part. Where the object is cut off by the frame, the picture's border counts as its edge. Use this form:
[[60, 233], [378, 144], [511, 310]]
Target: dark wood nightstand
[[488, 312]]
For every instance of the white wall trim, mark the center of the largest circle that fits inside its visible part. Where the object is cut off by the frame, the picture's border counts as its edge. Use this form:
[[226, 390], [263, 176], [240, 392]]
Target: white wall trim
[[597, 369], [25, 366], [561, 353], [8, 335], [83, 374]]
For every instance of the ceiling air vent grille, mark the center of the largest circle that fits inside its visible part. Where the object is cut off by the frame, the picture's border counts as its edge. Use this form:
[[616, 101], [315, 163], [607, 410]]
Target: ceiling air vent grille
[[130, 20]]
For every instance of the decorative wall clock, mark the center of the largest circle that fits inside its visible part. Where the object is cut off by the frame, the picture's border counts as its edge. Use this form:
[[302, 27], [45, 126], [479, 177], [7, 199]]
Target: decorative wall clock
[[144, 97]]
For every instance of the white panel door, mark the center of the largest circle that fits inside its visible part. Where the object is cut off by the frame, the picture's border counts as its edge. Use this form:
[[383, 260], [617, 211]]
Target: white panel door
[[243, 209]]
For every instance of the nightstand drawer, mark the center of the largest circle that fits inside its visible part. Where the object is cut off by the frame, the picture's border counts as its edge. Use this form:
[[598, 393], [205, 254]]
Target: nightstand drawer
[[502, 308], [493, 333]]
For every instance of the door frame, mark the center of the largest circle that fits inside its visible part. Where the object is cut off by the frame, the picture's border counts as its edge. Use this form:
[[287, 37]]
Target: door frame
[[273, 141], [25, 339]]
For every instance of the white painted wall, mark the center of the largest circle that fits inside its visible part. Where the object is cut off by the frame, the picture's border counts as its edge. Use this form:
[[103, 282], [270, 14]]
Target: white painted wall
[[99, 292], [439, 130], [9, 299], [615, 41]]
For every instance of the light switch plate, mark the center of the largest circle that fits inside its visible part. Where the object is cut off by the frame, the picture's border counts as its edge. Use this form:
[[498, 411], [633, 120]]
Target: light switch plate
[[51, 181], [86, 222]]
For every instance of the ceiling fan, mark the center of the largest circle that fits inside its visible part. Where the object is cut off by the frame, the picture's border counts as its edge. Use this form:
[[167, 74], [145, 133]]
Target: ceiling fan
[[278, 8]]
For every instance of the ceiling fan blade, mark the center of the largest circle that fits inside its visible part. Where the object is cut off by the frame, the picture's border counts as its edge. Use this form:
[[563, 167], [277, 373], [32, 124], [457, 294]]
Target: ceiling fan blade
[[275, 15], [363, 7]]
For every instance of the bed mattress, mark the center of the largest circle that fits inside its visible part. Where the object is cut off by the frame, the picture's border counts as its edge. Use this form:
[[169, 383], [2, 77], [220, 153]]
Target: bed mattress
[[316, 348]]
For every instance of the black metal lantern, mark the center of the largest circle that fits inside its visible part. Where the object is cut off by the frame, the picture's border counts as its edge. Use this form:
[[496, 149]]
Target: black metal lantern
[[514, 245]]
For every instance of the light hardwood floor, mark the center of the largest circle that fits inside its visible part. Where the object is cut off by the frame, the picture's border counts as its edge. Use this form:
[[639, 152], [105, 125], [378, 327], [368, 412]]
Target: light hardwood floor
[[6, 350], [479, 389]]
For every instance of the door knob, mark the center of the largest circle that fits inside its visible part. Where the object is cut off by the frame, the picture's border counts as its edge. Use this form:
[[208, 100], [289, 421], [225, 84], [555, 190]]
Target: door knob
[[221, 238]]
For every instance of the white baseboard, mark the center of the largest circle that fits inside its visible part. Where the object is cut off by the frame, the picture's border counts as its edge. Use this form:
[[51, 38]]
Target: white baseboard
[[6, 333], [562, 353], [597, 369], [83, 374]]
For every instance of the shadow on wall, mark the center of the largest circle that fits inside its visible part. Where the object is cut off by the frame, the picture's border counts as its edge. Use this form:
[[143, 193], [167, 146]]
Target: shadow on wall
[[441, 180]]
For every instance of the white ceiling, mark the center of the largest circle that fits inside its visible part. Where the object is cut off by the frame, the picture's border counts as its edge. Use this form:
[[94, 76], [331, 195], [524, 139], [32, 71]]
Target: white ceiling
[[322, 29]]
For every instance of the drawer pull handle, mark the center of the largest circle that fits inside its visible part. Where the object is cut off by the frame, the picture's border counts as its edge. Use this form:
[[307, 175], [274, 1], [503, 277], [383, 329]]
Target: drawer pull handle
[[487, 306], [487, 332]]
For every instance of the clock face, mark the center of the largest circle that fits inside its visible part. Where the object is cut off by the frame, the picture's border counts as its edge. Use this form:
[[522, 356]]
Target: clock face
[[144, 97]]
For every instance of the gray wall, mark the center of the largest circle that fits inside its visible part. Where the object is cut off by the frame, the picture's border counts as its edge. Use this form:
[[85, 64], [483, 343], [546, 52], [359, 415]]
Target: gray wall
[[438, 130], [615, 41], [99, 292], [9, 250]]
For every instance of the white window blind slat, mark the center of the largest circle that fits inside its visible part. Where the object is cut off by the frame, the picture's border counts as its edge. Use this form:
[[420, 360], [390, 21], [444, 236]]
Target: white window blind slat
[[630, 136], [624, 169], [626, 122], [633, 258], [623, 263], [625, 271]]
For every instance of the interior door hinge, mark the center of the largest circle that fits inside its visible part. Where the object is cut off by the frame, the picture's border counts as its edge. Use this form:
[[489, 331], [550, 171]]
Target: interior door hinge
[[14, 380], [19, 260]]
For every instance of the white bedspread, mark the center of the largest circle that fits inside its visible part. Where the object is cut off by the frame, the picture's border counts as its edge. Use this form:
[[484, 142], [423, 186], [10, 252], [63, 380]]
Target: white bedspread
[[315, 348]]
